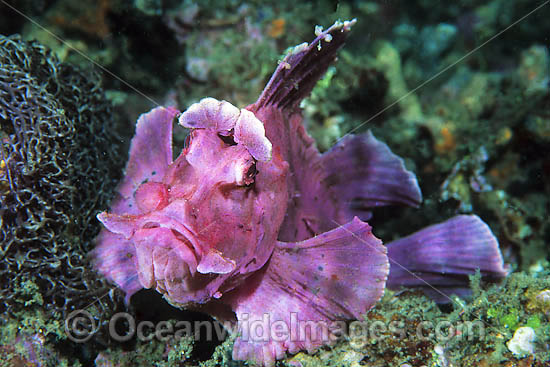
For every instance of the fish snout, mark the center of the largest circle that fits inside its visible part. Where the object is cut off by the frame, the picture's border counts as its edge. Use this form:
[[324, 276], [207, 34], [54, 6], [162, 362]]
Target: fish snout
[[165, 261]]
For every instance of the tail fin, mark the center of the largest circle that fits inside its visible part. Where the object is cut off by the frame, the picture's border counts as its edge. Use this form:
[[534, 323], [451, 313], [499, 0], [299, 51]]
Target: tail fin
[[439, 258], [300, 70]]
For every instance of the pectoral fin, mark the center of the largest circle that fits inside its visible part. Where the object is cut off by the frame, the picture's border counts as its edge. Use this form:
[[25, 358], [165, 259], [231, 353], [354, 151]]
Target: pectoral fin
[[115, 258], [307, 291]]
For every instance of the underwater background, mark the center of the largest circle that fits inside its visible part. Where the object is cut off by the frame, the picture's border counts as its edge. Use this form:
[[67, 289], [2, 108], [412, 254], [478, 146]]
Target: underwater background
[[459, 90]]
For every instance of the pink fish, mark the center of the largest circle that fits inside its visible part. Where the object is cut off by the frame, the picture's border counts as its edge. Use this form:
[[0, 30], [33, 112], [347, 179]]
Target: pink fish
[[252, 224]]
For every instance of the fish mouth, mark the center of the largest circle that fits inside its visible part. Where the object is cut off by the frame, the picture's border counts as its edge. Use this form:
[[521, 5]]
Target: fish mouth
[[190, 243], [182, 235], [166, 260], [172, 220]]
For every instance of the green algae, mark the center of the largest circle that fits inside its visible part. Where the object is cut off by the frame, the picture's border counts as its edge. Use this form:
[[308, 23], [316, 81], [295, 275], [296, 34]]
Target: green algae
[[30, 333], [482, 326], [222, 355], [388, 60], [170, 354], [503, 309]]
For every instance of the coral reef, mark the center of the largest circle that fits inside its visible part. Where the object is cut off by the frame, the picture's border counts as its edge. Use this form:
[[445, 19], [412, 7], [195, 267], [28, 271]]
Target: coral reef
[[476, 136], [59, 163]]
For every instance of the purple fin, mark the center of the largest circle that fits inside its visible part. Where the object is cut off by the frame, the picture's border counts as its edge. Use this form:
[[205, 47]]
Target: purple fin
[[114, 257], [357, 174], [278, 108], [150, 156], [312, 211], [326, 280], [439, 258], [300, 70], [364, 173]]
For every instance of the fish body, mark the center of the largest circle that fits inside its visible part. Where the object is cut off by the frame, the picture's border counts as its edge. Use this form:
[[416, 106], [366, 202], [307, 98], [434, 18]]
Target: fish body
[[253, 225]]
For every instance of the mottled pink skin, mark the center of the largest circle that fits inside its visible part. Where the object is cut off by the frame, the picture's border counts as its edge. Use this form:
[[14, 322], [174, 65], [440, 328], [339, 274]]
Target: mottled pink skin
[[152, 196], [204, 227], [251, 221]]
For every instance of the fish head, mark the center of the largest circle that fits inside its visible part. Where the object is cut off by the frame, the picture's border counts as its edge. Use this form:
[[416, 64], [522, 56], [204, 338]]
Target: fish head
[[214, 217], [234, 186]]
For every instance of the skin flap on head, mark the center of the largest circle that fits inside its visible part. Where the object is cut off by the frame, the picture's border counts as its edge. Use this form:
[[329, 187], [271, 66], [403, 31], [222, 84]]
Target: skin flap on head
[[209, 113], [250, 132], [222, 117]]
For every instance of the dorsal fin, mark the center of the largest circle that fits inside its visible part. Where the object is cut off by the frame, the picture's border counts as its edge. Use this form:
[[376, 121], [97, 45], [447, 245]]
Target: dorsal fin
[[300, 70]]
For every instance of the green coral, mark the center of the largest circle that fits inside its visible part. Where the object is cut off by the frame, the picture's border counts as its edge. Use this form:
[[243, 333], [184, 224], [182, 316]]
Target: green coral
[[59, 163]]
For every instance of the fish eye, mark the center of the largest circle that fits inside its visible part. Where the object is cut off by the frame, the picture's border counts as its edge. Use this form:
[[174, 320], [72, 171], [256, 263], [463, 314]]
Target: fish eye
[[245, 173], [252, 171], [187, 141], [227, 139], [250, 174]]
